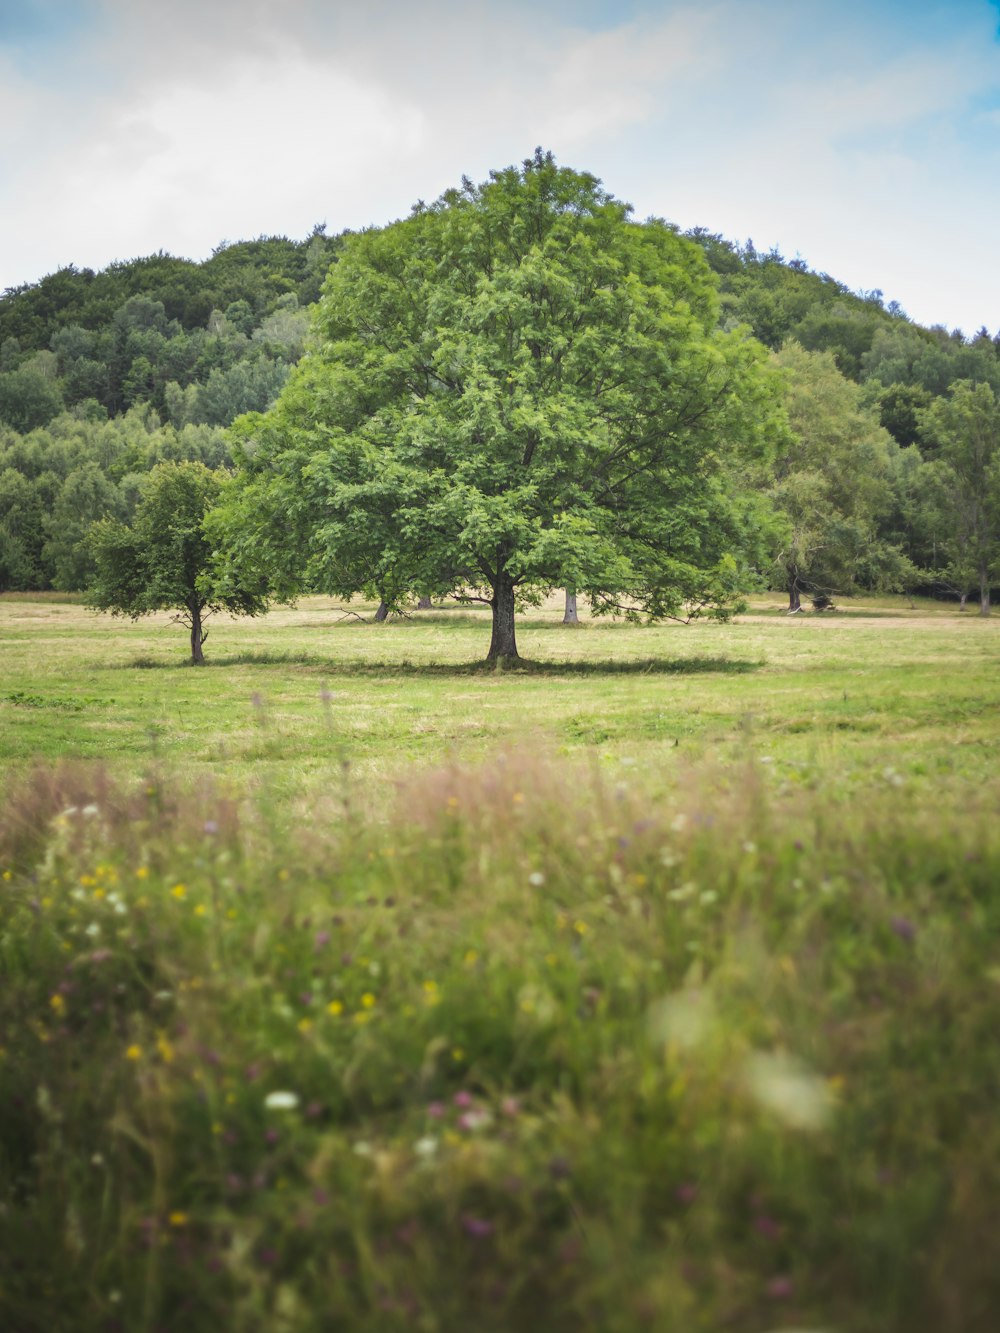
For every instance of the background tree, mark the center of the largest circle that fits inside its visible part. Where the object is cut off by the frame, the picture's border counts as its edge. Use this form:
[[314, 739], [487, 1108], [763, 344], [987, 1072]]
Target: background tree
[[161, 560], [962, 490], [517, 389], [832, 485]]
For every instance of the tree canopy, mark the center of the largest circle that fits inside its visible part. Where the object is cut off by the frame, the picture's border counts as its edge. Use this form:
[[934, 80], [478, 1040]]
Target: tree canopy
[[161, 560], [516, 388]]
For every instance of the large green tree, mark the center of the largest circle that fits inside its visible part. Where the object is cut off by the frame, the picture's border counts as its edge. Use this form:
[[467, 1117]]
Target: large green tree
[[161, 560], [514, 389]]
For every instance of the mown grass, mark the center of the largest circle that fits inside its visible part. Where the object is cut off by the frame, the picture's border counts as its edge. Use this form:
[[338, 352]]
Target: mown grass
[[598, 995], [284, 700]]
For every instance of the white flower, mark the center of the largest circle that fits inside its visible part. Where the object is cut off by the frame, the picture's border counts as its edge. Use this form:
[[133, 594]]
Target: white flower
[[93, 929], [281, 1101], [362, 1148], [425, 1147], [790, 1090], [89, 811], [536, 879]]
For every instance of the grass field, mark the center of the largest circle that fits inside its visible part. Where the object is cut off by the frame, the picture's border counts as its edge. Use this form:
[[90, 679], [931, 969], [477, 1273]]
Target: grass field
[[286, 699], [348, 985]]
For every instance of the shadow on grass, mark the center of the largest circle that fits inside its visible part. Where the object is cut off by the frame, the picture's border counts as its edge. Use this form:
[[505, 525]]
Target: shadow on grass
[[646, 666]]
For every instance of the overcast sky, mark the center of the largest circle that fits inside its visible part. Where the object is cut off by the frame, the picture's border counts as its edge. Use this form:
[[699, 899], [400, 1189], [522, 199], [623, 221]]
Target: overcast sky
[[861, 135]]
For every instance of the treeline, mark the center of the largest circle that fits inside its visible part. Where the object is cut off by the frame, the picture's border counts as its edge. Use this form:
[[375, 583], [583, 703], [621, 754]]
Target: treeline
[[104, 375]]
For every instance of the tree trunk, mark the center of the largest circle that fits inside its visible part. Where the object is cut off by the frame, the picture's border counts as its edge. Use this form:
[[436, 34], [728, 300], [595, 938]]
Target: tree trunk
[[503, 645], [794, 595], [962, 598], [381, 613], [197, 637], [984, 593], [425, 603], [569, 615]]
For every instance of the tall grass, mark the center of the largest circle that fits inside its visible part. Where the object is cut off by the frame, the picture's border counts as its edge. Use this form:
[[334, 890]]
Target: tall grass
[[528, 1049]]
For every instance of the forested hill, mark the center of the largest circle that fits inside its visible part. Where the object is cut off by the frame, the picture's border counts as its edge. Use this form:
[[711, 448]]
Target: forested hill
[[201, 342], [104, 374]]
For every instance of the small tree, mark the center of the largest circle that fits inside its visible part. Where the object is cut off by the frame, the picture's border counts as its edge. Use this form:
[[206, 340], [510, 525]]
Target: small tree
[[161, 561]]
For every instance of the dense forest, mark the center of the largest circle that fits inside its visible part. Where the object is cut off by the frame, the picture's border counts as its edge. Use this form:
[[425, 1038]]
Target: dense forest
[[888, 477]]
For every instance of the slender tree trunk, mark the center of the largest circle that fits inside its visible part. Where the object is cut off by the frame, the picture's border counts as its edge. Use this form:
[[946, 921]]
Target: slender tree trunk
[[425, 603], [381, 613], [962, 599], [197, 637], [984, 593], [569, 615], [794, 595], [503, 645]]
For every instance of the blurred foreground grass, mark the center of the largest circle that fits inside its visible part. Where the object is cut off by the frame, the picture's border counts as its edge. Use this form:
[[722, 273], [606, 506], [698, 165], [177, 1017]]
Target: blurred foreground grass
[[529, 1046]]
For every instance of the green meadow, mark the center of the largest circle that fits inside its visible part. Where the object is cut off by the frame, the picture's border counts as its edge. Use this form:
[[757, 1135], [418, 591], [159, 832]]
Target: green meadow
[[349, 985]]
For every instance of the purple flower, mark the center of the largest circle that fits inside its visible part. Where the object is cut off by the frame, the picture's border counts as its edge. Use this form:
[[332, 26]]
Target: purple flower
[[322, 937], [780, 1288], [320, 1197], [211, 827], [903, 927], [477, 1226], [688, 1192], [436, 1110], [462, 1099], [766, 1226]]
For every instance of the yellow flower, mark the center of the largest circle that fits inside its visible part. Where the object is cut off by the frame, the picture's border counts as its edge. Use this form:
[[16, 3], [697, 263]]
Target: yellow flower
[[8, 875], [283, 875], [100, 893], [580, 927], [457, 1053], [361, 1017], [368, 1000], [200, 910], [471, 957], [335, 1007], [518, 797], [304, 1024], [179, 891], [178, 1219], [164, 1049], [232, 914], [142, 872], [58, 1003], [134, 1053]]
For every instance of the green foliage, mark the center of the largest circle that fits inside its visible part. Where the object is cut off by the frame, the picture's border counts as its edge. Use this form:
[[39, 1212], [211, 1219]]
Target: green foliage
[[80, 468], [833, 485], [962, 489], [516, 388], [160, 559], [28, 399]]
